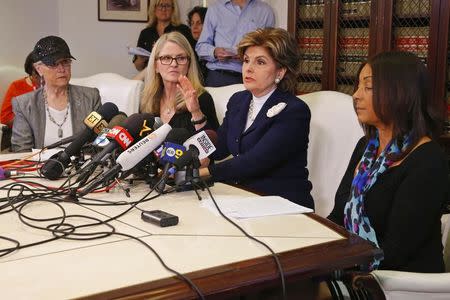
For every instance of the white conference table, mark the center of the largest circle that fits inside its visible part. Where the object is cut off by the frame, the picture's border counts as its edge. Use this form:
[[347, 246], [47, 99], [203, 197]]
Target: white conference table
[[204, 246]]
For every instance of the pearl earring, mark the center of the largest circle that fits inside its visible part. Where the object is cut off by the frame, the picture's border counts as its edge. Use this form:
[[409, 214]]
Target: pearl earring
[[277, 80]]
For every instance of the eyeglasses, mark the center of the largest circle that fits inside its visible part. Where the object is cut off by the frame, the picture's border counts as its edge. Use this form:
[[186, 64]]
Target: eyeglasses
[[167, 60], [65, 63], [164, 6]]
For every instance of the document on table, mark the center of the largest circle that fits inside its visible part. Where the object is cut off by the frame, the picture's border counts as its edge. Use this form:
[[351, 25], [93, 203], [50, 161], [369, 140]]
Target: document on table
[[253, 207]]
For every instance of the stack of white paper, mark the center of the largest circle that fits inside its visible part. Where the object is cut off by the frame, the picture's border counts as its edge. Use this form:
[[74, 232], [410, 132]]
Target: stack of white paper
[[138, 51], [253, 207]]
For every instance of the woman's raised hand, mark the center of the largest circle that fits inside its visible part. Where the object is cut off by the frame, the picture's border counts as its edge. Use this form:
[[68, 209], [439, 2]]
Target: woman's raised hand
[[189, 94]]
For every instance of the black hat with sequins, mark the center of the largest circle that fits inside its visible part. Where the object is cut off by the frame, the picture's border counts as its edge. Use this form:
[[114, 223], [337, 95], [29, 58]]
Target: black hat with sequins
[[50, 49]]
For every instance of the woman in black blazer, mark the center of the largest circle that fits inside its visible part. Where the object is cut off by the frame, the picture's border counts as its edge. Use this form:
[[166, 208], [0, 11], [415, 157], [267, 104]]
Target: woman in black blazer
[[395, 186], [266, 127]]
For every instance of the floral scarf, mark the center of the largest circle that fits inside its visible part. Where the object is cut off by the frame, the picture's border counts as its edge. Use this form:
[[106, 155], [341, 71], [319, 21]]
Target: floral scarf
[[370, 167]]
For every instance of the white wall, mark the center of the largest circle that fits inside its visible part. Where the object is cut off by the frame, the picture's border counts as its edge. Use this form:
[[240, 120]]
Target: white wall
[[97, 46], [22, 24]]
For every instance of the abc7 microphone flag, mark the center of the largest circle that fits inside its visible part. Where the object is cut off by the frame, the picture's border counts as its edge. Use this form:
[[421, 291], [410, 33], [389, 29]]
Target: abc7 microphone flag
[[171, 152]]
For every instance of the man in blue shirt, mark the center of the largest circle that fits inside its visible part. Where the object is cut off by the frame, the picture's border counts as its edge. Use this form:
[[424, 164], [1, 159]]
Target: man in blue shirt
[[226, 22]]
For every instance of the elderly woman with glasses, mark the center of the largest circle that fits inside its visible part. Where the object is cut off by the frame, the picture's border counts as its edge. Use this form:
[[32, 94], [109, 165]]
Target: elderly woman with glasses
[[173, 90], [164, 17], [57, 109]]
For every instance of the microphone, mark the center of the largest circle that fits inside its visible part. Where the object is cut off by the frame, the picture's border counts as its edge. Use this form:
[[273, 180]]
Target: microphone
[[131, 157], [172, 151], [117, 136], [202, 143], [101, 140], [147, 128], [61, 142], [200, 146], [95, 122], [5, 174], [148, 125], [158, 123]]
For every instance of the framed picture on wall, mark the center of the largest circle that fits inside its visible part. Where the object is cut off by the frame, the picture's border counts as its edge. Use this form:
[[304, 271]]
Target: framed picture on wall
[[123, 10]]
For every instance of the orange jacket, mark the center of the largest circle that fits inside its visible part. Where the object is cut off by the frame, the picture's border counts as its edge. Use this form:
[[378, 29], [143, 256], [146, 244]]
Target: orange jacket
[[16, 88]]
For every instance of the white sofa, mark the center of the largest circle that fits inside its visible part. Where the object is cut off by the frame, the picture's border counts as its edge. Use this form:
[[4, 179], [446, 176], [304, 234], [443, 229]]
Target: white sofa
[[123, 92], [8, 74]]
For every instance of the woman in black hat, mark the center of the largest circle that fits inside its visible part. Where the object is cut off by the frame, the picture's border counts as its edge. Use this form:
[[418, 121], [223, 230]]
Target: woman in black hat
[[57, 109]]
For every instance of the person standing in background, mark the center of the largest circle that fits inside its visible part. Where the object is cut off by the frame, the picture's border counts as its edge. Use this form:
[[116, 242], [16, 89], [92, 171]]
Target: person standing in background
[[226, 22], [164, 17], [19, 87]]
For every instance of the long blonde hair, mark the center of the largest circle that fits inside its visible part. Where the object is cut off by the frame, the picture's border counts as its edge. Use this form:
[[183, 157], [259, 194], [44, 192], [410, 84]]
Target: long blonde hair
[[175, 19], [154, 86]]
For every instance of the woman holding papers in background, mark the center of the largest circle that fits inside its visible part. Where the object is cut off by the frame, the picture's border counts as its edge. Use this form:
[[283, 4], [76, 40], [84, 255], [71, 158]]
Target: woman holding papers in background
[[173, 90], [395, 186], [266, 127], [57, 109], [164, 17]]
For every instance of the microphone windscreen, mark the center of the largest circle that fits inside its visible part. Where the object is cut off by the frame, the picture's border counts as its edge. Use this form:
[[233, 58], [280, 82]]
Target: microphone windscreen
[[202, 143], [117, 120], [147, 125], [133, 124], [133, 155], [178, 136], [108, 110], [158, 123]]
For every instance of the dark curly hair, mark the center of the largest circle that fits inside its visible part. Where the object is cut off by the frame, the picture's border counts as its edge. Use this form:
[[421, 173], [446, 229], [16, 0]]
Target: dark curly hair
[[201, 11]]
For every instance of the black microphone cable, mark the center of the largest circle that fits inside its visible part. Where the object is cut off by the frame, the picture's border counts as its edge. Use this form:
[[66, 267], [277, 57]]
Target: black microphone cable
[[274, 255], [63, 229]]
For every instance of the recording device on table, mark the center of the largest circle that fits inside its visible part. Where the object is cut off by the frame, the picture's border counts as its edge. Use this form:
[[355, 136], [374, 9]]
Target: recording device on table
[[159, 217]]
